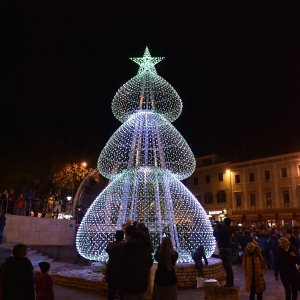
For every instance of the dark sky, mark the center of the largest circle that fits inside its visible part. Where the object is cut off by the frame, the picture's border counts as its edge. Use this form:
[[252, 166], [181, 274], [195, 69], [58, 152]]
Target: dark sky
[[235, 65]]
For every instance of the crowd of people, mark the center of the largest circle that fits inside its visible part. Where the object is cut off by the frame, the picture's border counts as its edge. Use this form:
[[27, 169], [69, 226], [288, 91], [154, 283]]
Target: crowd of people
[[130, 262], [258, 249], [131, 257], [25, 204]]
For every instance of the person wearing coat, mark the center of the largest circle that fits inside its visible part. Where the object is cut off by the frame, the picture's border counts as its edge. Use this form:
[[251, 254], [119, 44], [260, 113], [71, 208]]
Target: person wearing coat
[[17, 276], [253, 266], [287, 258], [134, 264], [165, 280]]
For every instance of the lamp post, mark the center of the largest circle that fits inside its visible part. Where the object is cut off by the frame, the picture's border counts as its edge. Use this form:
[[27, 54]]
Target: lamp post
[[78, 171], [230, 206]]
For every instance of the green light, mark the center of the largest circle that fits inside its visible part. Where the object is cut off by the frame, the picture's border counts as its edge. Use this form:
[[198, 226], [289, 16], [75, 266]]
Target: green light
[[147, 62]]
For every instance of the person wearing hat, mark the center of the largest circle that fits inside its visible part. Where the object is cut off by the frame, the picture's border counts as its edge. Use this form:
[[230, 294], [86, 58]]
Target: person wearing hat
[[287, 258], [43, 283], [223, 234]]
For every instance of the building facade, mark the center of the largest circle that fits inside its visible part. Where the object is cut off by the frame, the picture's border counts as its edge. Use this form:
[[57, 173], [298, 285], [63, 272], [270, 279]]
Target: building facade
[[260, 190]]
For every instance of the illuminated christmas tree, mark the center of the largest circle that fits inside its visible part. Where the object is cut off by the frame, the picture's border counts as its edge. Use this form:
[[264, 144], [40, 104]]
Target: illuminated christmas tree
[[145, 159]]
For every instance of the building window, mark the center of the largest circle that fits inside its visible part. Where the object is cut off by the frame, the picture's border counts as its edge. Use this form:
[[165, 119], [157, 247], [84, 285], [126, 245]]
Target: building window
[[252, 200], [237, 178], [220, 176], [267, 175], [195, 180], [221, 196], [286, 198], [268, 199], [238, 199], [251, 177], [207, 178], [284, 173], [208, 198]]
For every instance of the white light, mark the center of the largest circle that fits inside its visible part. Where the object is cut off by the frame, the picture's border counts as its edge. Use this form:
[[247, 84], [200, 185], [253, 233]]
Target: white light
[[145, 159], [69, 198]]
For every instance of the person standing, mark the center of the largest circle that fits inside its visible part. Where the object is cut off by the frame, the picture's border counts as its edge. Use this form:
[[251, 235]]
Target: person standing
[[165, 280], [254, 267], [14, 198], [17, 276], [3, 200], [287, 258], [57, 207], [223, 234], [134, 264], [112, 274], [21, 205], [28, 202], [2, 224], [43, 283]]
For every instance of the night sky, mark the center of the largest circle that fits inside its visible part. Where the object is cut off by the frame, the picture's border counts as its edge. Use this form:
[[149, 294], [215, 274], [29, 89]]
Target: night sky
[[234, 65]]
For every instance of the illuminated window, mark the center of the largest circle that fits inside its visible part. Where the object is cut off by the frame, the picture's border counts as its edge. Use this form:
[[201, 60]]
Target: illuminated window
[[221, 196], [284, 172], [286, 198], [237, 178], [267, 175], [251, 177], [220, 176], [268, 199], [238, 199]]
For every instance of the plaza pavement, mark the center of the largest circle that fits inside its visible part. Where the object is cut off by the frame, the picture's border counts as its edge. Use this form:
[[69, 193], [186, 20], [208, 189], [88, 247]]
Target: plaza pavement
[[274, 289]]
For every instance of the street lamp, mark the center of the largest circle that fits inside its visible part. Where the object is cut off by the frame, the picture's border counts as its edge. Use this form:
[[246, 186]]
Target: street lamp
[[229, 174]]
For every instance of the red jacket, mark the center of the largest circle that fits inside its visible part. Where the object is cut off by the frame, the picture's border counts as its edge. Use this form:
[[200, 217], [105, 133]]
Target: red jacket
[[43, 287]]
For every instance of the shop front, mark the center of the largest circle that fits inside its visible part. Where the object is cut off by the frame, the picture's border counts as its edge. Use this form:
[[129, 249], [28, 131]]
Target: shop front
[[217, 215]]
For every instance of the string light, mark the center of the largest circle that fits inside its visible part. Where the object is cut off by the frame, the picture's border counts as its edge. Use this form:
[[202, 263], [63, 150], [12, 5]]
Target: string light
[[145, 159]]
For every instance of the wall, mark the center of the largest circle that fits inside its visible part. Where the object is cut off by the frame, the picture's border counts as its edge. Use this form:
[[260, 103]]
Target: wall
[[38, 231]]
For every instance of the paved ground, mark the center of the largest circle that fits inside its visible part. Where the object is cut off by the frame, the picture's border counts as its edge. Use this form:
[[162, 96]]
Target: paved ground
[[274, 290]]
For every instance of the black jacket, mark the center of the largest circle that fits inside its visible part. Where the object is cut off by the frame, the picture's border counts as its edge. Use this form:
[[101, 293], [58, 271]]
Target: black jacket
[[223, 235], [286, 263], [134, 265], [164, 277], [17, 280]]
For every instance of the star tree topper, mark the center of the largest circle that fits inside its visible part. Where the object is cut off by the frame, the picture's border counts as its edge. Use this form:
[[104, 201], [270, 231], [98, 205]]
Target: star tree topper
[[147, 62]]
